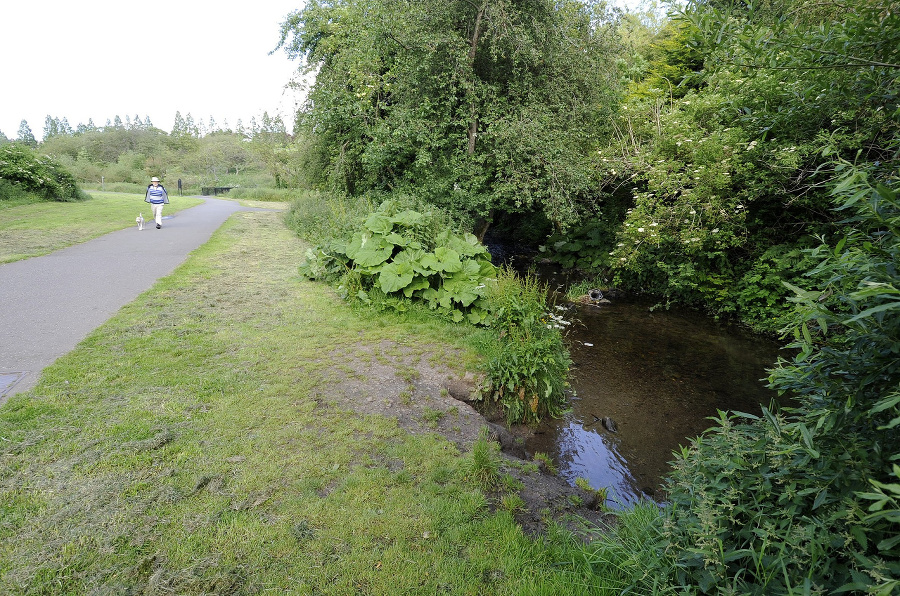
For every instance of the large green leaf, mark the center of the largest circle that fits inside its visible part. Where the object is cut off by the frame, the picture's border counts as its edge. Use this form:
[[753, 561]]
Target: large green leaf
[[430, 295], [418, 283], [487, 270], [357, 241], [447, 260], [369, 251], [408, 218], [467, 246], [463, 288], [414, 257], [477, 316], [379, 224], [395, 277], [471, 268], [395, 238], [444, 298], [429, 262]]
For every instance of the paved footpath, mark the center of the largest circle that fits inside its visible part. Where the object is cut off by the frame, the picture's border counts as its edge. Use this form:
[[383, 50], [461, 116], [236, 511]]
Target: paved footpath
[[48, 304]]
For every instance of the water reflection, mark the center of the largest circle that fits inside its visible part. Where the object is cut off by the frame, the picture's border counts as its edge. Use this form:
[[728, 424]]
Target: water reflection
[[660, 376]]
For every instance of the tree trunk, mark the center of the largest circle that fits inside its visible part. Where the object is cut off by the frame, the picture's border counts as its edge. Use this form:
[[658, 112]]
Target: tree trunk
[[473, 122], [483, 225], [473, 131]]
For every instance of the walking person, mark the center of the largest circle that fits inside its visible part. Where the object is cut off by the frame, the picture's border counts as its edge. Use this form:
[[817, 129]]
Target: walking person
[[157, 197]]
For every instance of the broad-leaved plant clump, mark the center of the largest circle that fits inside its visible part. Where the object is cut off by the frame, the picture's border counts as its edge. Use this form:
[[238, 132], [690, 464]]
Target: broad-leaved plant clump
[[397, 253], [530, 363]]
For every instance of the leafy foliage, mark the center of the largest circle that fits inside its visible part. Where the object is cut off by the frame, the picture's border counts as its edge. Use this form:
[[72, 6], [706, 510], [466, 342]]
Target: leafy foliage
[[529, 362], [811, 493], [39, 174], [726, 163], [584, 248], [476, 105], [398, 252]]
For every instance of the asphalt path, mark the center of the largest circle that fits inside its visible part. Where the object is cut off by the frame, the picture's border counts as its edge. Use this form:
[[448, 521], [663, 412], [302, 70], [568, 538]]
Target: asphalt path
[[49, 304]]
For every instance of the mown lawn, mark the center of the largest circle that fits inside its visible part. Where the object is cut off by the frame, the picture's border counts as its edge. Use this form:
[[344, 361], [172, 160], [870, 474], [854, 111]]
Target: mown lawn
[[189, 446], [36, 229]]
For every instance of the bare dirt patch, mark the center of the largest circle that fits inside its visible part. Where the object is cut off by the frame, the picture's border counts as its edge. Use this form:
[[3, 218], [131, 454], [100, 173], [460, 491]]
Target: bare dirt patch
[[389, 379]]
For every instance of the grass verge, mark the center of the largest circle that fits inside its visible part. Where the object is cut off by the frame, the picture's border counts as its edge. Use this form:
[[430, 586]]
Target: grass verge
[[190, 446], [34, 229]]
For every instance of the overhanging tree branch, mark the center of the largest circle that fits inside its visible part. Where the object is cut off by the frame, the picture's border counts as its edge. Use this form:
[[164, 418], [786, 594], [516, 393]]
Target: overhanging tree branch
[[859, 61]]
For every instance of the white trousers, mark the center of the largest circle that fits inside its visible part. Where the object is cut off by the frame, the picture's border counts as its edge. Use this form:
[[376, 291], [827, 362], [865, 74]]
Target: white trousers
[[157, 212]]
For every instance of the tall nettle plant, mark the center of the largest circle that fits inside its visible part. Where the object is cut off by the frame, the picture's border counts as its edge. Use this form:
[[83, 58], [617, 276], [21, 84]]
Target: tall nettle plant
[[808, 499]]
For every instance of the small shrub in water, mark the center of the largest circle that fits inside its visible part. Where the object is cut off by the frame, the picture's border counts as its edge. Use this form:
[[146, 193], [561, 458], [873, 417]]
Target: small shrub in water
[[528, 369]]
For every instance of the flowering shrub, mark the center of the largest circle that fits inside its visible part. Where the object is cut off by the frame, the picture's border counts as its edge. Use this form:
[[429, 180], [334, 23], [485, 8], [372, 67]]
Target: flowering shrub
[[38, 174], [689, 210]]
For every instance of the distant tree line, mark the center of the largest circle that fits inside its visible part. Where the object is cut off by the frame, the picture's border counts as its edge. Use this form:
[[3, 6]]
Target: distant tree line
[[199, 152]]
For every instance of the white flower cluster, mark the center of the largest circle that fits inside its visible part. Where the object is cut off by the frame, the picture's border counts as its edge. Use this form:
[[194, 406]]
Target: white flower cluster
[[556, 321]]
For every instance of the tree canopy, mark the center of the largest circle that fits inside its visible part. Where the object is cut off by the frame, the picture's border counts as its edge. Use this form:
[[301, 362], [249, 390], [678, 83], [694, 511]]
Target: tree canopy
[[478, 105], [725, 169]]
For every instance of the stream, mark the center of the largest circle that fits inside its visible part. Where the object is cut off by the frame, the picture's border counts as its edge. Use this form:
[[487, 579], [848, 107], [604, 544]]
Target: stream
[[659, 375]]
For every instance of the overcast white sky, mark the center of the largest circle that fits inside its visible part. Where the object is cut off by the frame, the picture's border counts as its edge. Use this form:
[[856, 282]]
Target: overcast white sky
[[102, 58]]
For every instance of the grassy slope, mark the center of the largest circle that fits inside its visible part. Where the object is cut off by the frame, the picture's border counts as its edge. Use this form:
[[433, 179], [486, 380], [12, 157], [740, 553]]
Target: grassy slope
[[179, 449], [24, 228]]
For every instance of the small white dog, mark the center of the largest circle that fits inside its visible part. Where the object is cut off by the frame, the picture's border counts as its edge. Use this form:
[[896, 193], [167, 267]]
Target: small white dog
[[140, 221]]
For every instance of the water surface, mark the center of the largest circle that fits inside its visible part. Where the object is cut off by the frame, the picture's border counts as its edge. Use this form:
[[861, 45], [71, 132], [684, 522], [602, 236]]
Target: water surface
[[660, 376]]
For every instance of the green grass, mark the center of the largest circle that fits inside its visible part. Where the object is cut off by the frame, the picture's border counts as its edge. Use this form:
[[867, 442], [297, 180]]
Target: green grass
[[283, 195], [34, 229], [191, 446]]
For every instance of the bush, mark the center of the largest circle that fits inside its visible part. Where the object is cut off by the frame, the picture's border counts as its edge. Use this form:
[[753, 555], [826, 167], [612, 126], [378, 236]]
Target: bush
[[586, 248], [761, 295], [808, 499], [40, 175]]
